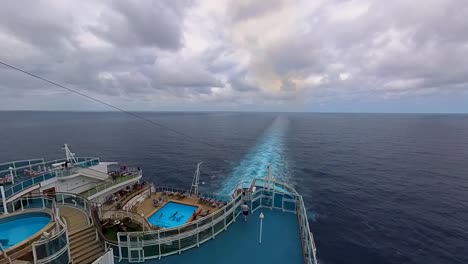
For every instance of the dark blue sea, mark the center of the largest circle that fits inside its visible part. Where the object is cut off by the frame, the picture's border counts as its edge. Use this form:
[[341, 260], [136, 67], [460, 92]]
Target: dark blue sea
[[379, 188]]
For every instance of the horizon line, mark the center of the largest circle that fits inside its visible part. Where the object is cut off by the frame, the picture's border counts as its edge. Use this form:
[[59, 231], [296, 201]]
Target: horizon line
[[232, 111]]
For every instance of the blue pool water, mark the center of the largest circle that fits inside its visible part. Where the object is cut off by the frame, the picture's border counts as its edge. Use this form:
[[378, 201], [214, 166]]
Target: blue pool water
[[15, 229], [172, 214]]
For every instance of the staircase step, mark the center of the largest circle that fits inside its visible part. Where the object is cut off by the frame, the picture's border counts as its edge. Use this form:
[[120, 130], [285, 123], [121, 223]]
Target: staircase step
[[84, 248], [82, 240], [80, 245], [93, 252], [80, 231]]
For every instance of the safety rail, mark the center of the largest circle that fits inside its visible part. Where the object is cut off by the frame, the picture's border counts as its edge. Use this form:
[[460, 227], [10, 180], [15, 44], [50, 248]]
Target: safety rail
[[54, 249], [289, 201], [184, 191], [109, 184], [310, 251], [130, 200], [45, 249], [19, 164], [19, 167], [48, 174], [122, 214], [139, 246], [107, 258], [31, 202], [75, 201]]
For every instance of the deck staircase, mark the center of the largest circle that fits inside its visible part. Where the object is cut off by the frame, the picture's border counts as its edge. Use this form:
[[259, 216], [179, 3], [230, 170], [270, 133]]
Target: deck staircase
[[84, 246]]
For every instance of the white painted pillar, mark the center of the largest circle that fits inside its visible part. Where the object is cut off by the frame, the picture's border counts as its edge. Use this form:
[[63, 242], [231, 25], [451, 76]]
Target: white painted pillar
[[5, 209], [261, 227], [12, 175]]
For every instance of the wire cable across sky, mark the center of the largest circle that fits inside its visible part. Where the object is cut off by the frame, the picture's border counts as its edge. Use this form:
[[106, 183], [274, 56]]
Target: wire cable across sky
[[111, 106]]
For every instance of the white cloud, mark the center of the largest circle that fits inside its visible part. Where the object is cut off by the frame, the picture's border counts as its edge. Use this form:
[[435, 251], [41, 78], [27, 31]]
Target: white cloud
[[344, 76]]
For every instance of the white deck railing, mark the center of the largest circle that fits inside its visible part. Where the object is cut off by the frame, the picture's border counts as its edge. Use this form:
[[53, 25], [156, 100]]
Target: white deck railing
[[47, 174], [54, 249], [107, 258], [106, 185], [289, 201], [140, 246]]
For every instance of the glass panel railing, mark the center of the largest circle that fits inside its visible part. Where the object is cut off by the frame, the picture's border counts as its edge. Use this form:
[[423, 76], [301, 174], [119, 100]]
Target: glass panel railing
[[64, 258], [52, 246], [59, 172], [54, 249], [157, 243], [27, 183], [8, 193], [109, 184], [29, 203]]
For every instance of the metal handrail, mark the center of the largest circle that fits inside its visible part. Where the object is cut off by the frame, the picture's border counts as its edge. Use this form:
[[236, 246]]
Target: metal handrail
[[108, 184], [121, 214], [306, 235], [183, 226], [58, 172], [183, 239]]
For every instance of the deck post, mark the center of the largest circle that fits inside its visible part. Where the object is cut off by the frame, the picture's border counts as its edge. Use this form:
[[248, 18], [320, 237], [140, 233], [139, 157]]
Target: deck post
[[179, 241], [159, 244], [5, 209], [198, 236], [212, 226], [224, 215], [261, 227], [11, 175]]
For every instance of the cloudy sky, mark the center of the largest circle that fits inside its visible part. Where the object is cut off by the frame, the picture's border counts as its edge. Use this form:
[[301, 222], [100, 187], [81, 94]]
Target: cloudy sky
[[344, 56]]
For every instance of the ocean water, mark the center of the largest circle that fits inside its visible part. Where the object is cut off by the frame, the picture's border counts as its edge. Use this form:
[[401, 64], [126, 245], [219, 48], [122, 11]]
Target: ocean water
[[379, 188]]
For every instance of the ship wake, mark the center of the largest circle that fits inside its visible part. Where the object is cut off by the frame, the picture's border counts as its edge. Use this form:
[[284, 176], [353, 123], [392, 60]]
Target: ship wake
[[268, 151]]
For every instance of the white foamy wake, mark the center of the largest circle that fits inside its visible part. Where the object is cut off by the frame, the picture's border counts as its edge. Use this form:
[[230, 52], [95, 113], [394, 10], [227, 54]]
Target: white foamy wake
[[268, 151]]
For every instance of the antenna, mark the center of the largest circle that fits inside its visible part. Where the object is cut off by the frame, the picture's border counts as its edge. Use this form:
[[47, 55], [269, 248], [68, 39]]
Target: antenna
[[69, 155], [195, 182]]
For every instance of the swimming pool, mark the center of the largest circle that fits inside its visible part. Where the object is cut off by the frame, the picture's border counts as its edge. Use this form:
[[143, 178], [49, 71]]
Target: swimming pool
[[172, 214], [15, 229]]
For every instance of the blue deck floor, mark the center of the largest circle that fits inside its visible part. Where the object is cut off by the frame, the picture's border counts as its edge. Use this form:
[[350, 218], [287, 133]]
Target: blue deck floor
[[281, 243]]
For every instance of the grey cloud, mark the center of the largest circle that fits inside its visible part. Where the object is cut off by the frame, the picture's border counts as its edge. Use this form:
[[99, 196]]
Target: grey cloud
[[393, 49], [37, 23], [396, 46], [244, 10], [185, 75], [143, 23], [239, 82], [297, 53]]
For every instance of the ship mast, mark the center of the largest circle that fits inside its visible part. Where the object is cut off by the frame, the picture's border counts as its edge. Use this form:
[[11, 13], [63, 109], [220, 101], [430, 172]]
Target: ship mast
[[195, 182], [70, 156]]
